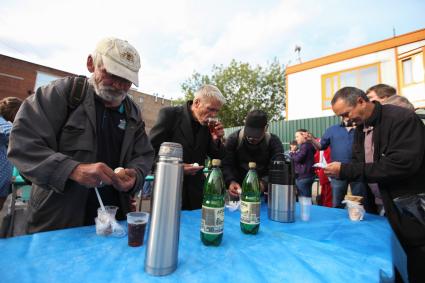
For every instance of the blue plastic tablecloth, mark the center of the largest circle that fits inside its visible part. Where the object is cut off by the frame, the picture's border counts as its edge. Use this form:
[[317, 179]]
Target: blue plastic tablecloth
[[328, 248]]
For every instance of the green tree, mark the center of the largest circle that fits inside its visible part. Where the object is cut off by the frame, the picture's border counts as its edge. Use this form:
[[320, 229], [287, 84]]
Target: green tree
[[245, 88]]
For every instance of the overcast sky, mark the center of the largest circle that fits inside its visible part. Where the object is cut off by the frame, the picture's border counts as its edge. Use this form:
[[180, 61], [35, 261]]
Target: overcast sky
[[176, 38]]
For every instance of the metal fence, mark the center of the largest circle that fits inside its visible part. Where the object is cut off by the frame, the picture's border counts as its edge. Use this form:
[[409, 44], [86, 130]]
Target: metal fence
[[285, 130]]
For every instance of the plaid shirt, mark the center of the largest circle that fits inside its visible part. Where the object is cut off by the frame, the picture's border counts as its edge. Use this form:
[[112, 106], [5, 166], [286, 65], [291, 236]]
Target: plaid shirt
[[5, 165]]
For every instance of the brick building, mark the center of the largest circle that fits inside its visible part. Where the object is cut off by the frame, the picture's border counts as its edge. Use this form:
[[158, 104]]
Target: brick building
[[21, 78], [18, 78], [150, 106]]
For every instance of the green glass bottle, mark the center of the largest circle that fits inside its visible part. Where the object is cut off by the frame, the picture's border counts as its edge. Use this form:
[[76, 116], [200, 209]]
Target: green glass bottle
[[213, 207], [250, 202]]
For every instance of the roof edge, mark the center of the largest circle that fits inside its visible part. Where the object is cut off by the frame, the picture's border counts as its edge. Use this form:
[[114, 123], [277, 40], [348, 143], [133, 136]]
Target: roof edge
[[359, 51]]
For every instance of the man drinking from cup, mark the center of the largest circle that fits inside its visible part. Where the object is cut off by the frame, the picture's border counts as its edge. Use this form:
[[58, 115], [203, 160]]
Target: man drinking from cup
[[188, 126]]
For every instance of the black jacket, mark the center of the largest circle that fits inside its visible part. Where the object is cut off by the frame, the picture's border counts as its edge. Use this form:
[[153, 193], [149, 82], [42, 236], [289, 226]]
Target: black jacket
[[399, 163], [238, 155], [174, 125]]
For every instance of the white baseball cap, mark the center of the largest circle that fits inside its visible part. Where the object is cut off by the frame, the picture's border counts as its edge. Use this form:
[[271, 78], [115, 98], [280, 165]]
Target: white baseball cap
[[120, 58]]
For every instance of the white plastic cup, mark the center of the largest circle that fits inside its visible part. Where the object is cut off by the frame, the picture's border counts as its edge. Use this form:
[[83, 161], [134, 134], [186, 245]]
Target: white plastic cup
[[356, 212], [305, 204]]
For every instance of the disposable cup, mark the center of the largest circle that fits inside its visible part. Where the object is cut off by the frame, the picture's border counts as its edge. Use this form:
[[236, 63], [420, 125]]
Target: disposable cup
[[136, 222], [109, 209], [305, 204]]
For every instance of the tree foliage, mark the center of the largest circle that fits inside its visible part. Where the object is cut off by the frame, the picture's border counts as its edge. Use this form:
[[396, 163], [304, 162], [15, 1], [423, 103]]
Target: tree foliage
[[245, 88]]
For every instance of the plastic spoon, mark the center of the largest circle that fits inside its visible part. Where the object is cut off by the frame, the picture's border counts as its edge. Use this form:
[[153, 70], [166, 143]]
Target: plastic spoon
[[100, 200]]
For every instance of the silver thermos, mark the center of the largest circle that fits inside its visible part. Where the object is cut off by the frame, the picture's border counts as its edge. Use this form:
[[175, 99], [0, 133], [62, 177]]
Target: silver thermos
[[163, 237], [281, 198]]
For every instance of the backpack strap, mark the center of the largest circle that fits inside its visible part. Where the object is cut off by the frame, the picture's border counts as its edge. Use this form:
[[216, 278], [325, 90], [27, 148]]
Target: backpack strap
[[74, 97], [10, 229], [267, 136], [240, 137], [78, 92]]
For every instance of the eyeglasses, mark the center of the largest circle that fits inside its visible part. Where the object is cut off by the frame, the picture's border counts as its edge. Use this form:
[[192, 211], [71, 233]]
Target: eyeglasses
[[115, 79], [253, 139]]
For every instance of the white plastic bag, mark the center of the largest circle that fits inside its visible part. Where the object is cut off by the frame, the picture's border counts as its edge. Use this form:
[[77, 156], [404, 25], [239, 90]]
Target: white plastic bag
[[233, 205], [107, 225]]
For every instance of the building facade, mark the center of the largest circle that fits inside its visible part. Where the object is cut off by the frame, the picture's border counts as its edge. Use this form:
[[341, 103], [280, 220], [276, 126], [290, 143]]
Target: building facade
[[398, 61], [21, 78], [149, 105]]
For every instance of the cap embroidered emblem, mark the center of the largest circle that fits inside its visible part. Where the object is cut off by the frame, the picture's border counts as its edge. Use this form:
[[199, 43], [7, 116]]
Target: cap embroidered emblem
[[128, 56]]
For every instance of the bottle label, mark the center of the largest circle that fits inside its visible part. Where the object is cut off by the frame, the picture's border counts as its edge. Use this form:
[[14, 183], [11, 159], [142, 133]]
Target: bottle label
[[212, 220], [250, 212]]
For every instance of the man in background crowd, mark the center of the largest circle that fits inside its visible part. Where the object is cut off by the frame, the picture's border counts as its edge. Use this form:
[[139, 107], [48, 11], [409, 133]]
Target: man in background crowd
[[340, 140], [399, 101], [380, 92], [252, 143]]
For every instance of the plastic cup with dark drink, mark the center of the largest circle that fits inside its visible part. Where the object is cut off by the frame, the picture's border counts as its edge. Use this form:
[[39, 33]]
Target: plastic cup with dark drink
[[212, 123], [136, 222]]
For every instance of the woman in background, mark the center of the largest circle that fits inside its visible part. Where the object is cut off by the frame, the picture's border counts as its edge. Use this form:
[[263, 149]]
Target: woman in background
[[303, 160]]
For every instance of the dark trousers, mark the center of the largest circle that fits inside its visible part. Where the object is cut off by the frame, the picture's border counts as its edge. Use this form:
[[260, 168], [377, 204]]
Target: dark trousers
[[416, 264], [411, 234]]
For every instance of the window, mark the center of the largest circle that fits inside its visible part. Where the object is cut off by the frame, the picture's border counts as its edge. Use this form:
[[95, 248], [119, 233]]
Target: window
[[407, 71], [412, 69], [44, 79], [362, 77]]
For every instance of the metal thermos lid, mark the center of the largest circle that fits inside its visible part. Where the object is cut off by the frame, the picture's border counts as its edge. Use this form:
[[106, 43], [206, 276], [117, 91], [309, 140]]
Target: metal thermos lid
[[171, 149]]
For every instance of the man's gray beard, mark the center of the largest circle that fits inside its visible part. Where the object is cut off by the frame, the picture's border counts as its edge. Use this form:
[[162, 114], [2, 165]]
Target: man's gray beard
[[108, 93]]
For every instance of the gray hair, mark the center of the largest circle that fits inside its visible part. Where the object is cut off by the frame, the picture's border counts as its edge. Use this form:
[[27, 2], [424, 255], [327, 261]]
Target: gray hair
[[210, 92], [349, 94], [97, 59], [399, 101]]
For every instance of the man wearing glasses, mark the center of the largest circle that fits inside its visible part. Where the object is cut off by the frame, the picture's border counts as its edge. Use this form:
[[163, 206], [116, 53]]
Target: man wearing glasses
[[67, 148], [252, 143]]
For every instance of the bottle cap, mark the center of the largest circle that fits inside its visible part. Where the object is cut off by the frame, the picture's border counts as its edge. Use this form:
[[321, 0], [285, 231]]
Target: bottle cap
[[252, 165], [171, 149], [216, 162]]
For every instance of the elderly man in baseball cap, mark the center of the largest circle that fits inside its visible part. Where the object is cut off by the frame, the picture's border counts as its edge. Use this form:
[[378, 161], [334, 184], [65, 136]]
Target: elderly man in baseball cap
[[70, 136], [115, 66]]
